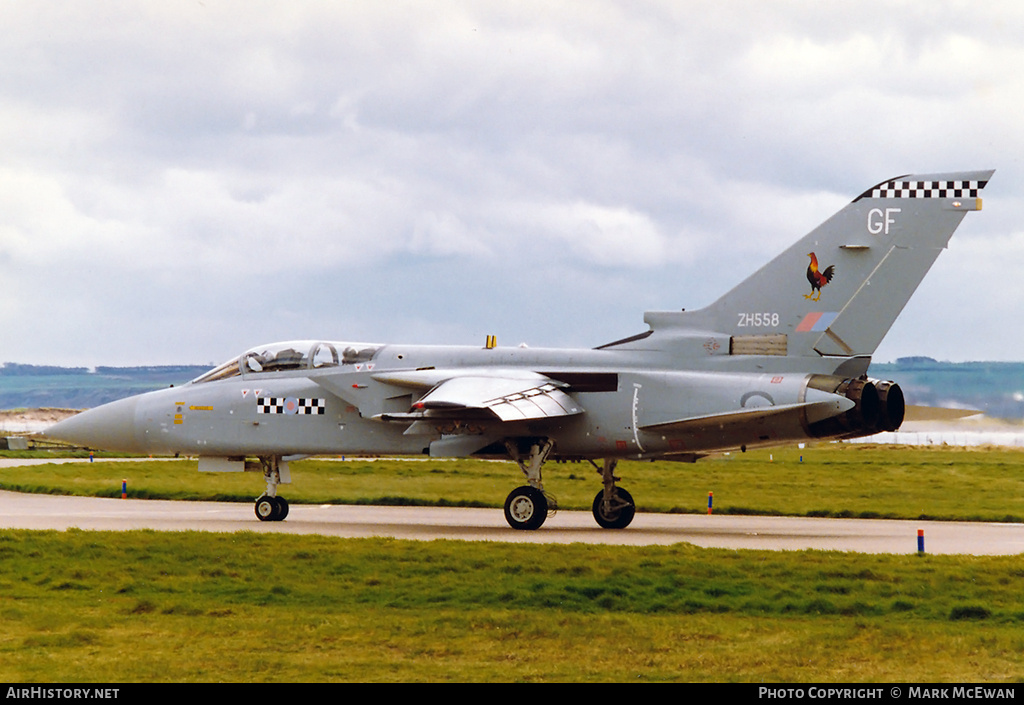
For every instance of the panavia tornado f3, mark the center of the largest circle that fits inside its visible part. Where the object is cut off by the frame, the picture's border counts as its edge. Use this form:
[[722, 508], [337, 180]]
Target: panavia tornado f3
[[781, 358]]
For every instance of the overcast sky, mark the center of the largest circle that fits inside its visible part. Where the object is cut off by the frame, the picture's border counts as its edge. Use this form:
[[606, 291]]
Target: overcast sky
[[180, 181]]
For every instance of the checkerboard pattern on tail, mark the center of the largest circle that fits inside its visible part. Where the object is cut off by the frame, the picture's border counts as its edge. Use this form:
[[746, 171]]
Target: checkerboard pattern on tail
[[926, 189]]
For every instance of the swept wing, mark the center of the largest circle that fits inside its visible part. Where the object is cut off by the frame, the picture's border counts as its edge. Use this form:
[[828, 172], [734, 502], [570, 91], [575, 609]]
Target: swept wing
[[512, 396]]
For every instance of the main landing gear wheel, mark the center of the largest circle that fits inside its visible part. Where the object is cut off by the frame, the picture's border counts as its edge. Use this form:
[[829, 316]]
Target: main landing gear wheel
[[526, 508], [271, 508], [616, 513]]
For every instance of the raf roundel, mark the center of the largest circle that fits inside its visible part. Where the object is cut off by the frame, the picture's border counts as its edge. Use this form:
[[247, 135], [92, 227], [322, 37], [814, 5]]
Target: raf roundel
[[291, 405]]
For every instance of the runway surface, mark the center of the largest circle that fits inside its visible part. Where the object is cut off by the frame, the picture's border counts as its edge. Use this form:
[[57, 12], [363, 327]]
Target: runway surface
[[29, 511]]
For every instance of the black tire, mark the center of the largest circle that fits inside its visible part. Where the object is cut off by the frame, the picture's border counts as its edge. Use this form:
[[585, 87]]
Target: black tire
[[282, 509], [620, 516], [267, 508], [526, 508]]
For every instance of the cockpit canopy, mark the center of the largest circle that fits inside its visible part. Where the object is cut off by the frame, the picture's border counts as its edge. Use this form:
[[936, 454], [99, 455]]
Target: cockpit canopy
[[295, 355]]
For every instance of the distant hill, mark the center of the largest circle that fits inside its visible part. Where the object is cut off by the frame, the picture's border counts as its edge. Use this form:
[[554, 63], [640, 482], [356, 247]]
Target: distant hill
[[36, 386], [996, 388]]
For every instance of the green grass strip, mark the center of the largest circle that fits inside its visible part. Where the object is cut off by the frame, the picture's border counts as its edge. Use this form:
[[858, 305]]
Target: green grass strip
[[150, 606]]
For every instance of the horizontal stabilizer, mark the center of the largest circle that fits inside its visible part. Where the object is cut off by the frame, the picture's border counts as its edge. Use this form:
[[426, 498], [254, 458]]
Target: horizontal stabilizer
[[935, 413]]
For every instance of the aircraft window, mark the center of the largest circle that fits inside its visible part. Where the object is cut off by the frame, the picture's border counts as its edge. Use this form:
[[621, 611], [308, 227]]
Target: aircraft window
[[301, 355], [352, 355], [253, 362], [228, 369], [283, 359], [325, 356]]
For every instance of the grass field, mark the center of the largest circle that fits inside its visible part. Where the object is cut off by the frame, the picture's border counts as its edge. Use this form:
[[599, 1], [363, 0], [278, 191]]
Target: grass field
[[148, 606]]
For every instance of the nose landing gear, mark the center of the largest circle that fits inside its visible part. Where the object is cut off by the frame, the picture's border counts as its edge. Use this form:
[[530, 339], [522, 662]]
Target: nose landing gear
[[270, 507]]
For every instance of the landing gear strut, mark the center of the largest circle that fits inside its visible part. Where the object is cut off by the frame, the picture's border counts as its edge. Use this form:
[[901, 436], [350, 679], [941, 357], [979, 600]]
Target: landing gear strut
[[270, 507], [613, 506], [527, 507]]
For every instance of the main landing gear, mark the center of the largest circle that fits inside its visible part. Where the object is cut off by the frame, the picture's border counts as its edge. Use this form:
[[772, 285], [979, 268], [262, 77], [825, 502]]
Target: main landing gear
[[528, 506], [613, 506], [270, 507]]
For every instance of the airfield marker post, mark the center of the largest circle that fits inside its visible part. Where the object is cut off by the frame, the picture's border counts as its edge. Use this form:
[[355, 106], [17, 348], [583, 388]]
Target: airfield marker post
[[124, 489], [710, 495], [920, 541]]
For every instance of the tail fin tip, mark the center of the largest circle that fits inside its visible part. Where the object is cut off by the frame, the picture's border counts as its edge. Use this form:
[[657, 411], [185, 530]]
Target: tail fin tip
[[865, 263]]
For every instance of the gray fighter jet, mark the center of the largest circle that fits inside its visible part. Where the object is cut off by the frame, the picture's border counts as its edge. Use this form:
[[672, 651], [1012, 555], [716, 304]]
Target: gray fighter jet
[[781, 358]]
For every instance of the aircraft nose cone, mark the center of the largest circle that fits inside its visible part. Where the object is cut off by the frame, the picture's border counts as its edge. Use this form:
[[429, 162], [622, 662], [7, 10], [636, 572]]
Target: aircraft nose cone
[[110, 427]]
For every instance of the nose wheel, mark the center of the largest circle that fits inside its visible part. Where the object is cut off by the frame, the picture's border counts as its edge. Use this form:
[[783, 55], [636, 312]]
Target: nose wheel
[[271, 508]]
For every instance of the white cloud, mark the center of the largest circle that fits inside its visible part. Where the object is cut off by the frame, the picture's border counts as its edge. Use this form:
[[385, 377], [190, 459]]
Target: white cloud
[[445, 234], [602, 235], [165, 163]]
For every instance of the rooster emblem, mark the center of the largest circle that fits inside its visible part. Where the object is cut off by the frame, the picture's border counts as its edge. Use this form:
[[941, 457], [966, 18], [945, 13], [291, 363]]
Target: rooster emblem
[[817, 278]]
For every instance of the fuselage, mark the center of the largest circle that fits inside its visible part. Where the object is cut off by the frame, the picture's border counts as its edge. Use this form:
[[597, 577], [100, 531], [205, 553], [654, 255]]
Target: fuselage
[[316, 398]]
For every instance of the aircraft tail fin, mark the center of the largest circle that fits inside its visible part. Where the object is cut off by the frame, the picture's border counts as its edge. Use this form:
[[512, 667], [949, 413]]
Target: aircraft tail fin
[[837, 291]]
